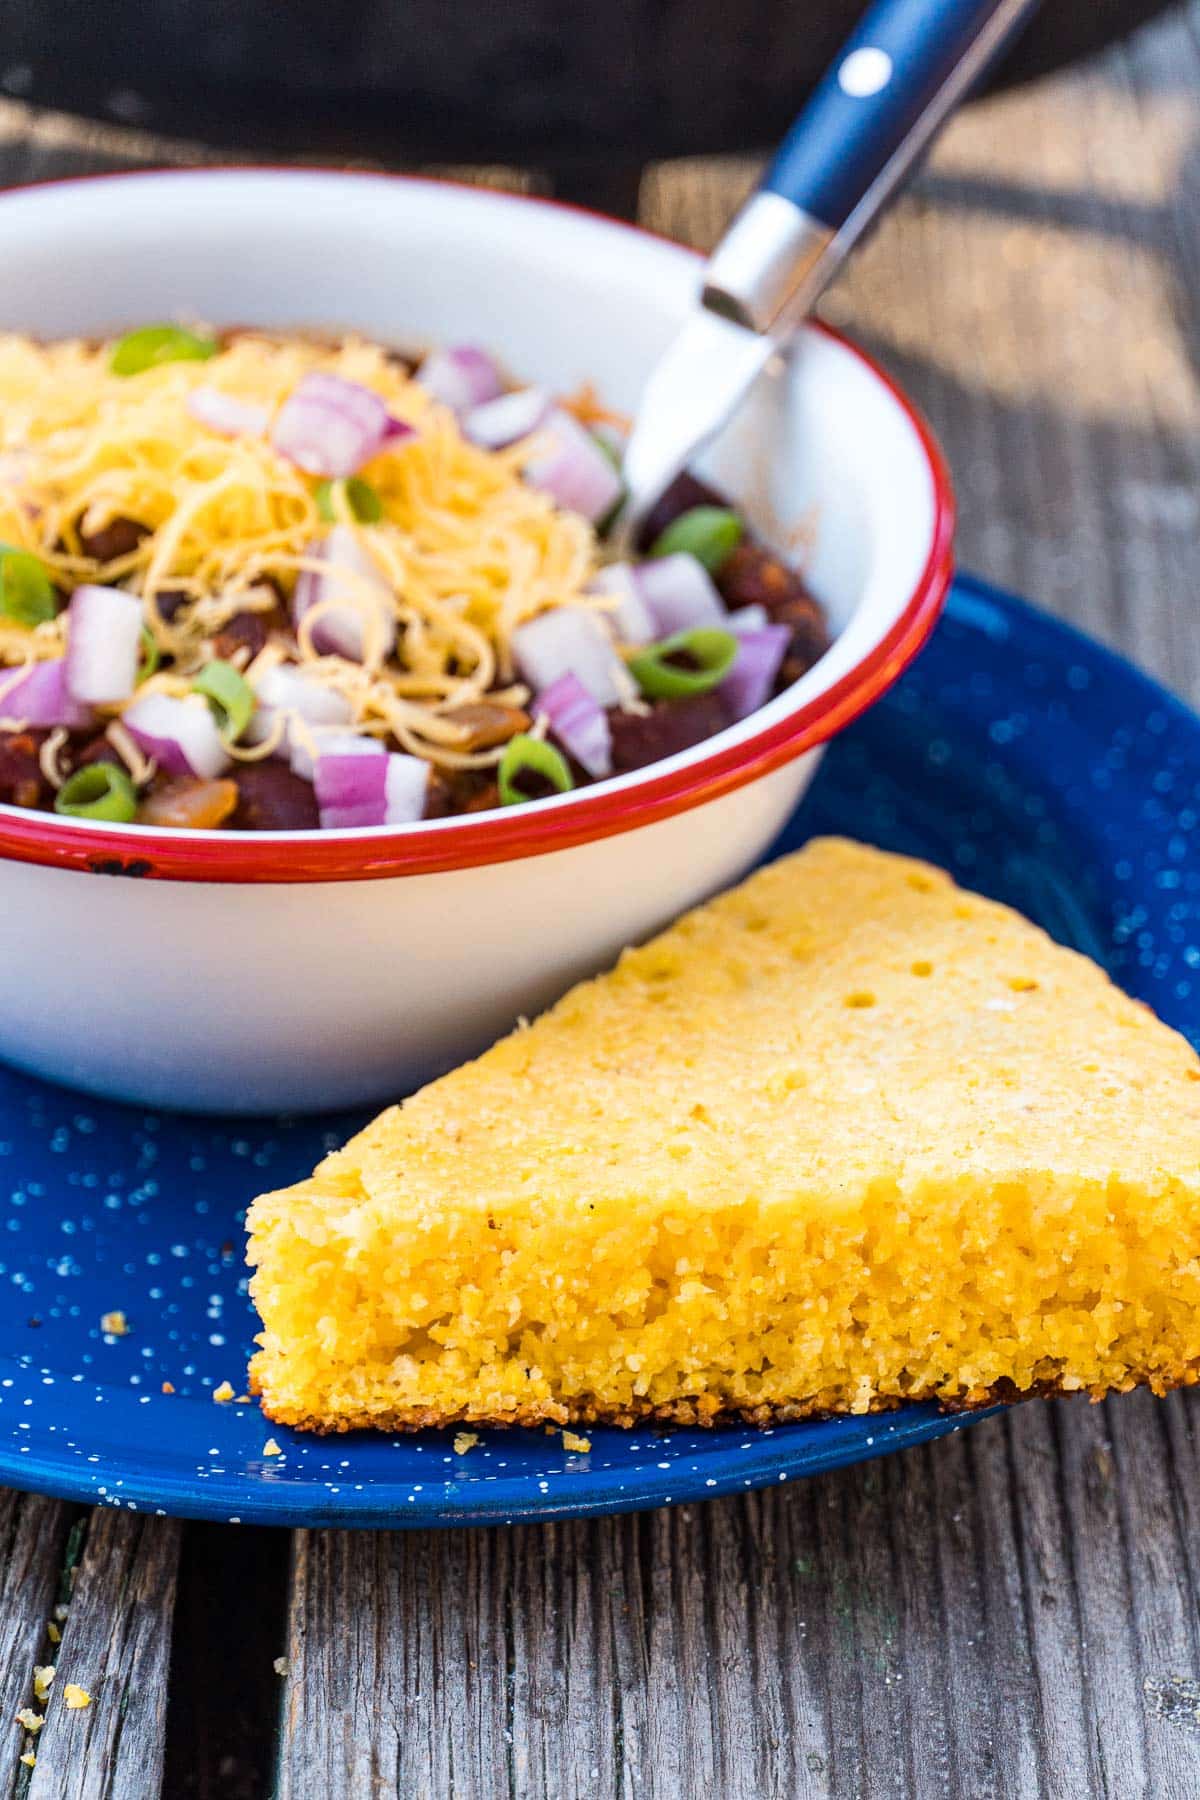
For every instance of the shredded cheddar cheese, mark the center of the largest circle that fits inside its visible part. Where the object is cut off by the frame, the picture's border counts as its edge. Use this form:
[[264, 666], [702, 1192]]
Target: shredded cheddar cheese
[[48, 757], [465, 548], [140, 766]]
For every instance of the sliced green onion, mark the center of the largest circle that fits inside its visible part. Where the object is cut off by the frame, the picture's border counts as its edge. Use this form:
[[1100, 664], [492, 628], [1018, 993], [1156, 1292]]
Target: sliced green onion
[[690, 662], [149, 659], [230, 696], [609, 449], [709, 533], [362, 501], [613, 455], [525, 756], [151, 345], [27, 594], [99, 790]]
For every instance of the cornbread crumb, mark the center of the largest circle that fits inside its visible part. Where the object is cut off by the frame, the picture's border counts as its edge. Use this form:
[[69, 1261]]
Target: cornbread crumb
[[30, 1721], [280, 1665], [29, 1759], [168, 1387], [464, 1441], [43, 1680], [114, 1324], [76, 1697], [223, 1393], [271, 1448], [243, 1400], [845, 1137], [53, 1633], [572, 1441]]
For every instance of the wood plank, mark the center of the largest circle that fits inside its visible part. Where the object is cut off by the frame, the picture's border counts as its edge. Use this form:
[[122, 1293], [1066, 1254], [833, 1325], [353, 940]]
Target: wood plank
[[228, 1633], [33, 1536], [431, 1678], [957, 1621], [116, 1646], [1037, 322]]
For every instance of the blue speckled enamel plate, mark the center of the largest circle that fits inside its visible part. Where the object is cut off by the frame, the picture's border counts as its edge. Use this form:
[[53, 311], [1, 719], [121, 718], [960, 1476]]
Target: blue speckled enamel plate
[[1032, 763]]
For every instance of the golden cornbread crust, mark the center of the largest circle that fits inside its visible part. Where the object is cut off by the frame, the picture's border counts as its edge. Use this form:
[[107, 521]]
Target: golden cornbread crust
[[847, 1136], [699, 1413]]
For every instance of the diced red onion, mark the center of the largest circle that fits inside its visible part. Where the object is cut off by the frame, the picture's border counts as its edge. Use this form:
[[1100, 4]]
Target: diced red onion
[[38, 696], [680, 594], [351, 791], [571, 641], [749, 682], [330, 426], [572, 468], [287, 689], [355, 790], [461, 377], [104, 633], [181, 735], [354, 579], [328, 741], [406, 789], [398, 429], [748, 618], [630, 617], [502, 422], [579, 723], [226, 413]]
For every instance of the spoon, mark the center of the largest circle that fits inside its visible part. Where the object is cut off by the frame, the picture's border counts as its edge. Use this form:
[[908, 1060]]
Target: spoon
[[891, 87]]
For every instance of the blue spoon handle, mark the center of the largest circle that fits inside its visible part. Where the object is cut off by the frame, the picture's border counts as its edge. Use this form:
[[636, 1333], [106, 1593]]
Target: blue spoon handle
[[893, 83], [877, 91]]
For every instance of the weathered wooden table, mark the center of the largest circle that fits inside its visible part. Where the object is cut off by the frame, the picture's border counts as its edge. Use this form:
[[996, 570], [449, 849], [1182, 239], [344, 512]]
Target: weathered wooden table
[[1009, 1612]]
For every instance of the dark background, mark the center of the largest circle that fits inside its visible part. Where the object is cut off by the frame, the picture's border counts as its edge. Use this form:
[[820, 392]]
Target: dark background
[[570, 88]]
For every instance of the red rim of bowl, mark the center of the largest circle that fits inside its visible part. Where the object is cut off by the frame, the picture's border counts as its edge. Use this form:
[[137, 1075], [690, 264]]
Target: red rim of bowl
[[38, 837]]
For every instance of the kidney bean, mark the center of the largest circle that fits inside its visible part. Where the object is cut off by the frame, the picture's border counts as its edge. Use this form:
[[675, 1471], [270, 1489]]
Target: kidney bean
[[484, 799], [670, 726], [439, 801], [21, 780], [271, 798], [463, 791], [810, 640], [169, 601], [246, 631], [78, 754], [752, 576], [120, 537]]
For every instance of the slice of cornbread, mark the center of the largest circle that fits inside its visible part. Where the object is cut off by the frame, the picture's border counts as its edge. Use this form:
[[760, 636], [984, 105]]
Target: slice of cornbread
[[845, 1136]]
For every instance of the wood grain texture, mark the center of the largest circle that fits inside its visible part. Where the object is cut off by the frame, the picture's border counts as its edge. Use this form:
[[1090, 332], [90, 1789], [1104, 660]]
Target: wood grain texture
[[116, 1646], [1008, 1612], [33, 1535], [1014, 1611]]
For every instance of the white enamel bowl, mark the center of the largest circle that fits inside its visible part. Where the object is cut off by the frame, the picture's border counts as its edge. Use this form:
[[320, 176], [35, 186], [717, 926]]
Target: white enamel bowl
[[307, 970]]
